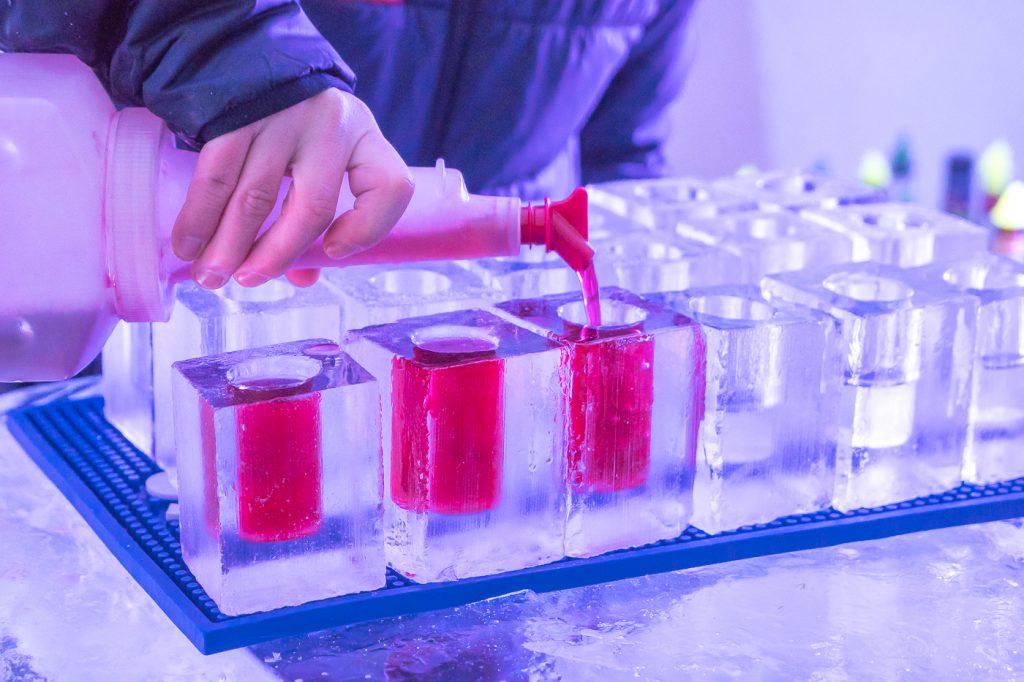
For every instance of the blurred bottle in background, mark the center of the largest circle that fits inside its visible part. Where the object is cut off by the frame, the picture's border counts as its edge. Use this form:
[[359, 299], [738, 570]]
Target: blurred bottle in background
[[958, 184]]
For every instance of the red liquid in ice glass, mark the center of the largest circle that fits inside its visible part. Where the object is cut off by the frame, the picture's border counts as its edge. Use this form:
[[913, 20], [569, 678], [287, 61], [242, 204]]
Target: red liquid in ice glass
[[279, 487], [611, 393], [447, 428], [279, 463]]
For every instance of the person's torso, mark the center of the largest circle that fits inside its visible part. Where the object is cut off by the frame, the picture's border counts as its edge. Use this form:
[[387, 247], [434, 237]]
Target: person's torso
[[498, 88]]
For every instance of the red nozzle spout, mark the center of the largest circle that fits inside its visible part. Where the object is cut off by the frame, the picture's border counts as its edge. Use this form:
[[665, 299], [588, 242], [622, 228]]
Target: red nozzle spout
[[561, 227]]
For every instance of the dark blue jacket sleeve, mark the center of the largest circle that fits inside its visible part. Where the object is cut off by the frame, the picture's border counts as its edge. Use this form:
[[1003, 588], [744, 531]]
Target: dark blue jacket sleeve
[[206, 68], [625, 135]]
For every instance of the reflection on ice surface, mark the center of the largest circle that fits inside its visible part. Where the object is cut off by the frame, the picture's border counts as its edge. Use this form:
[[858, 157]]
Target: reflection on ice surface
[[944, 604]]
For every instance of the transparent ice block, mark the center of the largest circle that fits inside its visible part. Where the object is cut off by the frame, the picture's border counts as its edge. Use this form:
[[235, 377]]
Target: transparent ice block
[[631, 392], [768, 441], [279, 475], [378, 295], [137, 365], [770, 241], [907, 378], [471, 433], [790, 189], [127, 384], [903, 234], [995, 449], [531, 274], [604, 224], [641, 260], [660, 203]]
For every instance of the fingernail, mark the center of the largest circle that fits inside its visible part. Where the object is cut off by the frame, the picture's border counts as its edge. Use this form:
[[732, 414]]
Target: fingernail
[[211, 279], [250, 279], [339, 250], [190, 248]]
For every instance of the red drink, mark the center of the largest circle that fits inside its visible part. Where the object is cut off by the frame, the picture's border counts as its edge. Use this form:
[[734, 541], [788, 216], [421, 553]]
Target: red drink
[[279, 494], [448, 427], [609, 409]]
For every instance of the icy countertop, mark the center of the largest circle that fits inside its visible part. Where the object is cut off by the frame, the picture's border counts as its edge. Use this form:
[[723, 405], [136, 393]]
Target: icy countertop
[[945, 605]]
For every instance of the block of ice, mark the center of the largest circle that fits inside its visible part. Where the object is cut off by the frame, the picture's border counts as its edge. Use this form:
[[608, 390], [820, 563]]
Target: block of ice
[[903, 234], [279, 466], [796, 190], [660, 203], [906, 378], [531, 274], [604, 224], [631, 392], [641, 260], [378, 295], [137, 362], [471, 435], [996, 438], [770, 241], [127, 384], [768, 441]]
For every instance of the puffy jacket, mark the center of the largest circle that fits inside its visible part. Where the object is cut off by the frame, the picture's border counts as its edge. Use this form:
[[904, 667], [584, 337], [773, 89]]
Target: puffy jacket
[[526, 97]]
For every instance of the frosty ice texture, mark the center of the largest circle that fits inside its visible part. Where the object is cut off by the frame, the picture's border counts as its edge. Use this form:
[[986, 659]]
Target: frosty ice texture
[[641, 261], [770, 241], [471, 435], [996, 440], [660, 203], [127, 384], [530, 274], [378, 295], [604, 224], [768, 440], [903, 234], [907, 378], [279, 474], [137, 367], [631, 392], [797, 190]]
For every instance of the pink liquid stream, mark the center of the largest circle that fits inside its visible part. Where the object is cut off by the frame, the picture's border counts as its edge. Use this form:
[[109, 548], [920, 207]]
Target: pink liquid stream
[[591, 295]]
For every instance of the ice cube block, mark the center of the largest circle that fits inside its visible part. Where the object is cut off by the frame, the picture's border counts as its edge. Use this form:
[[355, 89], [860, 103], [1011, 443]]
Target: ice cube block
[[279, 467], [770, 241], [906, 392], [378, 295], [137, 364], [660, 203], [127, 384], [797, 190], [641, 260], [995, 449], [903, 234], [530, 274], [471, 432], [631, 392], [603, 224], [768, 441]]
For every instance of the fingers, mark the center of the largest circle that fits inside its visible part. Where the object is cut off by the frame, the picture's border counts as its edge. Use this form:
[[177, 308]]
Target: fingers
[[252, 201], [382, 187], [306, 277], [238, 179], [217, 172], [317, 170]]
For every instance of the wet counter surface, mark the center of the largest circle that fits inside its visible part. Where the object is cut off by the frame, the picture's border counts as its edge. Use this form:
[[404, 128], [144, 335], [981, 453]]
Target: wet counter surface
[[945, 604]]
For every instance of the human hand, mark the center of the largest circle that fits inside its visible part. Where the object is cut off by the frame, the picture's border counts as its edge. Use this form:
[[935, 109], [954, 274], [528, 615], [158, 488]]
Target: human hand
[[238, 177]]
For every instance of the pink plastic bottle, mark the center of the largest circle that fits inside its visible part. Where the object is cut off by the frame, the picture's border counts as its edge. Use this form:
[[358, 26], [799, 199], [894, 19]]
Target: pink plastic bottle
[[88, 197]]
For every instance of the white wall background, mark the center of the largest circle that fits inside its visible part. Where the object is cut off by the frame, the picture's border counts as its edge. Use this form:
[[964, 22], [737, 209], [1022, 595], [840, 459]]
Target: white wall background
[[786, 83]]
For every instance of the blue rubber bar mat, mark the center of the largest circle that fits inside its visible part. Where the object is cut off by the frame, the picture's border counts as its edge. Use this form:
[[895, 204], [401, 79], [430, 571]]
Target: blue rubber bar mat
[[104, 476]]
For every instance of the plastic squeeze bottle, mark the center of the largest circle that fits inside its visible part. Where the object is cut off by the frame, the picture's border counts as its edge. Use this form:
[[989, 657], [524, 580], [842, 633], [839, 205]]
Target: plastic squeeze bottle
[[88, 197]]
